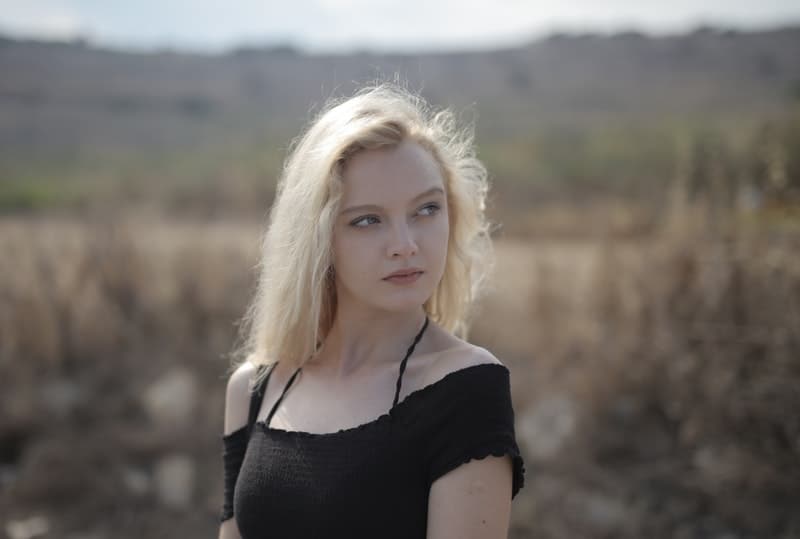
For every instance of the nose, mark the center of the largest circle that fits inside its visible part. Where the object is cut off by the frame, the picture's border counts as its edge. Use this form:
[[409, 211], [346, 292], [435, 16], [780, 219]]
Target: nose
[[402, 242]]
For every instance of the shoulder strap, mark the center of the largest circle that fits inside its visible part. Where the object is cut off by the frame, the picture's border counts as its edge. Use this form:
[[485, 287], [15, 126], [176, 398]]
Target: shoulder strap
[[256, 397], [405, 359]]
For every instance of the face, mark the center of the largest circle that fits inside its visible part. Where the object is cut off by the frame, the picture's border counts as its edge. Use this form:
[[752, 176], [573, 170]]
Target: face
[[393, 216]]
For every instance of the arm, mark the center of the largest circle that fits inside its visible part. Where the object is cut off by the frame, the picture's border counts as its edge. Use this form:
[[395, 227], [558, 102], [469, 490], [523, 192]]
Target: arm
[[237, 405], [228, 530], [472, 501]]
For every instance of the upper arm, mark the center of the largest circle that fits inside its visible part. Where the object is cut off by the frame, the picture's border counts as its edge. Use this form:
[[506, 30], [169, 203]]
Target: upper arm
[[237, 407], [237, 397], [472, 501], [229, 530]]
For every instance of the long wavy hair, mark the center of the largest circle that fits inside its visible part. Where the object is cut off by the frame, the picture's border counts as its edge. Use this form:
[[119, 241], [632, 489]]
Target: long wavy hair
[[294, 304]]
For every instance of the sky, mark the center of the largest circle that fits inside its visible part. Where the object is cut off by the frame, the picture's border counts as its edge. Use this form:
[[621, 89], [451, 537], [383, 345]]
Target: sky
[[379, 25]]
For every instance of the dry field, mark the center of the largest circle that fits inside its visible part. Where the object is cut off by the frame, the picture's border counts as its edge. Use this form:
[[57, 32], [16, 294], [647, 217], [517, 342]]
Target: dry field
[[656, 377]]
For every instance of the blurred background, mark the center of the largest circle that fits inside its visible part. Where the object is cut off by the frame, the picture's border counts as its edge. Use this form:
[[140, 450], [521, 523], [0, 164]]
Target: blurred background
[[645, 165]]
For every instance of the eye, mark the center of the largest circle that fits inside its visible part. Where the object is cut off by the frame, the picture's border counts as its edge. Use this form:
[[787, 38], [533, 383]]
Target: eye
[[360, 219], [431, 209], [434, 208]]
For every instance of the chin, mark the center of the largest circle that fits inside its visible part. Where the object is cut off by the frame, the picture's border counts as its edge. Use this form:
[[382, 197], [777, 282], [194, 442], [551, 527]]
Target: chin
[[407, 301]]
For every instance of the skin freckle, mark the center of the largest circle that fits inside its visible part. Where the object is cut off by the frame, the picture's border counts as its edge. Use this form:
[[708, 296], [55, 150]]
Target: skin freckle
[[476, 487]]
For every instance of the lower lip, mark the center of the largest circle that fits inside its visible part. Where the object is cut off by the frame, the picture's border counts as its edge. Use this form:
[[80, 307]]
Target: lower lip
[[405, 279]]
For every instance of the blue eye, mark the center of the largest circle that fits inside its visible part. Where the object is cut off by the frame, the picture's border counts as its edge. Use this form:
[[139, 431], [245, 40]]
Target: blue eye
[[434, 208], [354, 223]]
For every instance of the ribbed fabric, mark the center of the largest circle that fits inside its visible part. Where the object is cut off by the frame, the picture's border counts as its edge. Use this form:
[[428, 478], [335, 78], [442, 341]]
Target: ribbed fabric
[[234, 446], [372, 480]]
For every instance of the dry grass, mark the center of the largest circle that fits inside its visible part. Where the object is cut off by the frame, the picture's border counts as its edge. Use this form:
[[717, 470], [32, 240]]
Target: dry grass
[[663, 378], [655, 374]]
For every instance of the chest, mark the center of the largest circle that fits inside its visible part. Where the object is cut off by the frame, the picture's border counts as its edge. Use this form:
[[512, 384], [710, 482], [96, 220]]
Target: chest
[[347, 484], [315, 404]]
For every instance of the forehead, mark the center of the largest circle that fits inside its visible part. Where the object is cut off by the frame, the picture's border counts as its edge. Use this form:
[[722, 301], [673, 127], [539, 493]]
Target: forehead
[[388, 175]]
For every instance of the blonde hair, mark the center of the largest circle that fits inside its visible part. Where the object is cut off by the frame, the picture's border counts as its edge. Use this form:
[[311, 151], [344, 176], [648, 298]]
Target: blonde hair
[[292, 310]]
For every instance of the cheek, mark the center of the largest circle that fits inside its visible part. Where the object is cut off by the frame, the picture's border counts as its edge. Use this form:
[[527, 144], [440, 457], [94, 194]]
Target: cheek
[[441, 237], [441, 232], [351, 254]]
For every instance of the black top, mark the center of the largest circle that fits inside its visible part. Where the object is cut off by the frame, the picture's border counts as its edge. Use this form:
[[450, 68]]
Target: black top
[[371, 480]]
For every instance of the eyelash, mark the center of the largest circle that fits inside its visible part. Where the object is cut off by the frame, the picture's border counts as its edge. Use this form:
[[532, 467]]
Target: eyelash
[[433, 205]]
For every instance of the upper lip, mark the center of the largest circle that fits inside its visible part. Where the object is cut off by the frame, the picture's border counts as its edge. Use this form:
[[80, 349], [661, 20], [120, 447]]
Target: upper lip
[[404, 271]]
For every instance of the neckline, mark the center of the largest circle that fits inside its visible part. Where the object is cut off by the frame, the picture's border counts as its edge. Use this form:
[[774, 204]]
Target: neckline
[[410, 351], [262, 426]]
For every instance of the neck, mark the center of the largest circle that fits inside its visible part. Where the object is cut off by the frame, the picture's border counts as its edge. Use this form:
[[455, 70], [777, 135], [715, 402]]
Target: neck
[[360, 341]]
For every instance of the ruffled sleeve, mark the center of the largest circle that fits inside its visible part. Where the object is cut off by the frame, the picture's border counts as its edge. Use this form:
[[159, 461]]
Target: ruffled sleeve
[[234, 446], [473, 418]]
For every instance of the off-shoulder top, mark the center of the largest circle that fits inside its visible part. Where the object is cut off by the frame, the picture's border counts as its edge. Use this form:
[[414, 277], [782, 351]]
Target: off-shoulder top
[[371, 480]]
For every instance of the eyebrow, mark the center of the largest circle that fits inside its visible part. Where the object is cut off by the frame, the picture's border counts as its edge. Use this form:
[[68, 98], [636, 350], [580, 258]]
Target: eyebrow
[[362, 207]]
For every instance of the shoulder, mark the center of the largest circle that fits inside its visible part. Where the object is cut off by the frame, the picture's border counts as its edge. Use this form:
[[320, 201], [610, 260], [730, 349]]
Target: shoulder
[[239, 380], [460, 356], [237, 397]]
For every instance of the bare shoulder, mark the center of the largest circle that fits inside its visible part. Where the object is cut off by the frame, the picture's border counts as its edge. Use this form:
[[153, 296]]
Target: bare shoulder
[[237, 397], [458, 355]]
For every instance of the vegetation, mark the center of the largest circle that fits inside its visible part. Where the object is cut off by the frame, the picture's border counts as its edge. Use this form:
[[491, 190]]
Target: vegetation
[[647, 286]]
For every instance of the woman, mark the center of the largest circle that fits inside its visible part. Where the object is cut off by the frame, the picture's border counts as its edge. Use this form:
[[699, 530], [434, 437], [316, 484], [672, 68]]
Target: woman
[[376, 248]]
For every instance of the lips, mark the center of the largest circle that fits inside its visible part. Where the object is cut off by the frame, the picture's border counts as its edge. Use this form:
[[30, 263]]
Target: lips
[[403, 273]]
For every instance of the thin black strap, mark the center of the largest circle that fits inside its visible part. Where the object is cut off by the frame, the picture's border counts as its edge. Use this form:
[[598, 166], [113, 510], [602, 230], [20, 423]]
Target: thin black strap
[[285, 388], [405, 359], [257, 396]]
